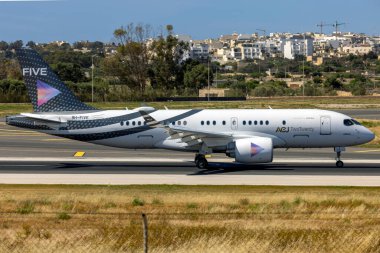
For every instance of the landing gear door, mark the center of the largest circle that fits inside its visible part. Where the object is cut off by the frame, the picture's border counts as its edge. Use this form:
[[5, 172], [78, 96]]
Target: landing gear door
[[325, 125], [234, 123]]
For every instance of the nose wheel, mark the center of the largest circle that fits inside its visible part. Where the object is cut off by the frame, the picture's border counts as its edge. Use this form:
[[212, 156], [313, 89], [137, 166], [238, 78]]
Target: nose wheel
[[338, 151], [201, 161]]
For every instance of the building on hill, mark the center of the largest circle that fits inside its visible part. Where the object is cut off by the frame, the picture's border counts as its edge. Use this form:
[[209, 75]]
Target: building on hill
[[298, 46], [357, 49]]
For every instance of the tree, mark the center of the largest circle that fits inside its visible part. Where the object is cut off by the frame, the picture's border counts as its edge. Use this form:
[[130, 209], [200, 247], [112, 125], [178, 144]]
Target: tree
[[79, 44], [3, 45], [131, 62], [10, 69], [333, 82], [167, 66], [197, 77], [69, 72], [16, 45], [31, 44]]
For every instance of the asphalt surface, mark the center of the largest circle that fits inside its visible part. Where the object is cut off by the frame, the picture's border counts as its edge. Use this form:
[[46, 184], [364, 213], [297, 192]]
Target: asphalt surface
[[31, 157], [186, 168], [373, 114]]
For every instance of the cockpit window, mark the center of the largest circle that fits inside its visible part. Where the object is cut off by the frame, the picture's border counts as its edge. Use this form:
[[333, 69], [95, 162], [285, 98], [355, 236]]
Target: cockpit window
[[356, 122], [348, 122]]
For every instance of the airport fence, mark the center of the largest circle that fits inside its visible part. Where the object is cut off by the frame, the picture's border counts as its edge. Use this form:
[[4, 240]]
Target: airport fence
[[180, 232]]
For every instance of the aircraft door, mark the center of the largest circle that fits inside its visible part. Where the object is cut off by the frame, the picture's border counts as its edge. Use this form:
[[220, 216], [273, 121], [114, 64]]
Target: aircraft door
[[325, 125], [234, 123]]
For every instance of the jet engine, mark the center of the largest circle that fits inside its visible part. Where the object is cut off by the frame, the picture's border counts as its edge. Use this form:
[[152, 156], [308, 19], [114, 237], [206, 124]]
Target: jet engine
[[251, 150]]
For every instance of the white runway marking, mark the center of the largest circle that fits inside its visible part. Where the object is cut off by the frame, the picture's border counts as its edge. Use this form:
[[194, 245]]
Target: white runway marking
[[133, 179], [175, 160], [26, 165]]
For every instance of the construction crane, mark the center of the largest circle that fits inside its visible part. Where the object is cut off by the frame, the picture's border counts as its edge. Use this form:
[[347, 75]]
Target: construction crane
[[336, 25], [262, 30], [321, 25]]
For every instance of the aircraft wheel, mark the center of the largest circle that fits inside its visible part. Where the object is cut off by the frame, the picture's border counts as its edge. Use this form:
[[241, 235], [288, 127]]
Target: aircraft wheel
[[197, 156], [202, 163], [339, 164]]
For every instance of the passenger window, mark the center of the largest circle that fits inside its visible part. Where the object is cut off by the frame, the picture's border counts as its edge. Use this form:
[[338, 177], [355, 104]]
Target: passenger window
[[185, 123], [202, 122], [348, 122], [224, 122], [127, 123], [208, 122], [139, 123], [284, 122], [173, 123], [244, 122], [214, 122], [178, 123], [250, 122], [122, 123], [133, 123], [261, 122], [255, 122], [267, 122]]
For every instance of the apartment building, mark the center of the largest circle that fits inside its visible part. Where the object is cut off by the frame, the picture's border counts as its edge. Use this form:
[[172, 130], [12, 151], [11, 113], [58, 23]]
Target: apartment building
[[298, 46], [357, 49]]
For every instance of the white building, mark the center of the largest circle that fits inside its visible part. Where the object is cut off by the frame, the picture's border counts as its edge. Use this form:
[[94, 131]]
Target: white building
[[296, 46], [358, 49], [199, 51]]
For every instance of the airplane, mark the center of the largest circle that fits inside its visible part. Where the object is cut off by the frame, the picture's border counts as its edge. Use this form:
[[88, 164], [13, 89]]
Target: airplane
[[249, 136]]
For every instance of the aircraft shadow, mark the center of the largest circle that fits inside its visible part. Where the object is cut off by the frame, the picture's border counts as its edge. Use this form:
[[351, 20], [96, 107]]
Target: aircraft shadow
[[223, 168]]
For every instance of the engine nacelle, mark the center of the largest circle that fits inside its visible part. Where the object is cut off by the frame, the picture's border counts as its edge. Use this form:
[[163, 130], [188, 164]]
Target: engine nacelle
[[251, 150]]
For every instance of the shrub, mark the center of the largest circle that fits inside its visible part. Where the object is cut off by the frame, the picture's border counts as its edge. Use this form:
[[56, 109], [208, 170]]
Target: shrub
[[138, 202], [26, 207], [63, 216], [191, 205], [157, 202], [244, 202]]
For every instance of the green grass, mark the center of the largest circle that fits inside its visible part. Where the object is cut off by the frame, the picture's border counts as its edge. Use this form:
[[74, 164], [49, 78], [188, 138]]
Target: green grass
[[254, 103], [64, 216], [26, 207], [138, 202]]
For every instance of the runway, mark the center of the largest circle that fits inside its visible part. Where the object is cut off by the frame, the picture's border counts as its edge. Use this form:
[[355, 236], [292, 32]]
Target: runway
[[373, 114], [28, 157]]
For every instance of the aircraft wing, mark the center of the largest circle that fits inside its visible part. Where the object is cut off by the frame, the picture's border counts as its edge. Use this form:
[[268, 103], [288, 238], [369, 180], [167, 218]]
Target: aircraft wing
[[190, 137]]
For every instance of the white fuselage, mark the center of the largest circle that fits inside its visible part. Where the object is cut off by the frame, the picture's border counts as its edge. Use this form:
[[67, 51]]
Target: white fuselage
[[288, 128]]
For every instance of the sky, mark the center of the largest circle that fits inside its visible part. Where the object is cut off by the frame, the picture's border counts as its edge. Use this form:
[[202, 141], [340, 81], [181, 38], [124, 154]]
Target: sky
[[73, 20]]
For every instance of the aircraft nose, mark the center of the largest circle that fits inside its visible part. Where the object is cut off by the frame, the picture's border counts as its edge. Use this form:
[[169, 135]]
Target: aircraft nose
[[367, 135]]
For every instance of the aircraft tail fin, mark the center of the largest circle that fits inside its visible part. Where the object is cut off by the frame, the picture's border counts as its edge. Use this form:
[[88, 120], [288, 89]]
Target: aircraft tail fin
[[47, 93]]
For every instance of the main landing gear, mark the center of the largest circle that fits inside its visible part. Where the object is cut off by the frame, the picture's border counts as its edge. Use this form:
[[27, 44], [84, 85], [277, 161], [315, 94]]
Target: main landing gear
[[338, 151], [201, 161]]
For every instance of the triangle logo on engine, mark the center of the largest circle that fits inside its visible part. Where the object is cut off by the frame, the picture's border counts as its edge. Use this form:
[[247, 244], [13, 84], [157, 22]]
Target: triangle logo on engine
[[255, 149]]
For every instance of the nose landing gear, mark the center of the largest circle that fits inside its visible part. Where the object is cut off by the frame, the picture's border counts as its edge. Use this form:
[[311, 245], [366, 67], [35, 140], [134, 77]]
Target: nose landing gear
[[338, 151]]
